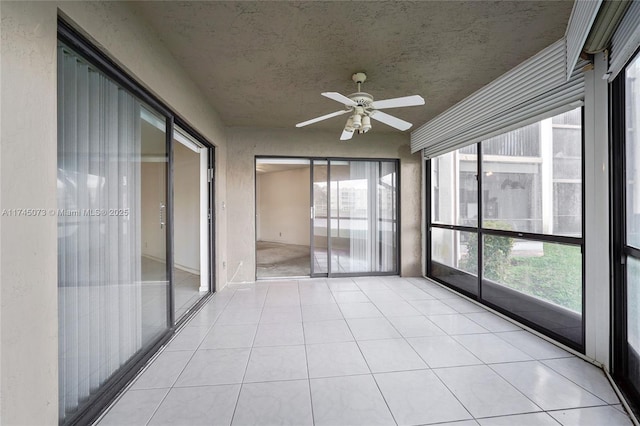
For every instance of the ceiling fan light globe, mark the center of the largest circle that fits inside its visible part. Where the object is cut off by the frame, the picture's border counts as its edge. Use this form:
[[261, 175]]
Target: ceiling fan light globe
[[349, 126], [357, 121], [366, 124]]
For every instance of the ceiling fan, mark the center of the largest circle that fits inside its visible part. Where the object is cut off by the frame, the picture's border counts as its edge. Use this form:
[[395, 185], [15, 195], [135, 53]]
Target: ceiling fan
[[363, 108]]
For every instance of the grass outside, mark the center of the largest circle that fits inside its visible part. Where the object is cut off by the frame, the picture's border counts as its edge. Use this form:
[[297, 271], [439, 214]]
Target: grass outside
[[556, 276]]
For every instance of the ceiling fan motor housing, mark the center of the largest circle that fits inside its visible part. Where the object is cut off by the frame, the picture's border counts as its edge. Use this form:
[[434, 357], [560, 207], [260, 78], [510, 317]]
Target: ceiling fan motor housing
[[362, 99]]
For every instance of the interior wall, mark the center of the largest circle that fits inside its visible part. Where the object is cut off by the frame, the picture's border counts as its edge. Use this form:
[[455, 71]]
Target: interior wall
[[28, 176], [246, 143], [284, 206], [186, 212]]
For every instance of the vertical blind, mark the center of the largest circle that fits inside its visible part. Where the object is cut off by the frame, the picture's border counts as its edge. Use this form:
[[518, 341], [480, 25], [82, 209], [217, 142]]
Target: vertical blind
[[363, 228], [372, 238], [99, 249]]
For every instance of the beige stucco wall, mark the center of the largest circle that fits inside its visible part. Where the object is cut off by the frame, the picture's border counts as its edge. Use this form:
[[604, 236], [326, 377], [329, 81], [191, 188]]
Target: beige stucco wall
[[28, 246], [246, 143], [28, 144]]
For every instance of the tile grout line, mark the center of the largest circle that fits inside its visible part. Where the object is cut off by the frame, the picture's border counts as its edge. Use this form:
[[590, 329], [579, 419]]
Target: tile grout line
[[246, 367], [306, 358], [370, 371], [578, 384], [192, 355], [558, 373], [431, 369]]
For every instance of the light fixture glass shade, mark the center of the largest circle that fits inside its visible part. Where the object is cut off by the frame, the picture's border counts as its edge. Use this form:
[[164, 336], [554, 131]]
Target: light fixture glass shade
[[366, 123], [349, 126], [357, 121]]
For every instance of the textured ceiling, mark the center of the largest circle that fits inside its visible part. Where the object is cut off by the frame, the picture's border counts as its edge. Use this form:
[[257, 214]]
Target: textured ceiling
[[264, 64]]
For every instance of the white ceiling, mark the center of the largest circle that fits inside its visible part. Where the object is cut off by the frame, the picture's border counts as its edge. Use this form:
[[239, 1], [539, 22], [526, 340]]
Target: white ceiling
[[264, 64]]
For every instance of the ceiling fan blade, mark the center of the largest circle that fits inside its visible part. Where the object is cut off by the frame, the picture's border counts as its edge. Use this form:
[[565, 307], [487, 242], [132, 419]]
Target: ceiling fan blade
[[324, 117], [405, 101], [346, 135], [390, 120], [339, 98]]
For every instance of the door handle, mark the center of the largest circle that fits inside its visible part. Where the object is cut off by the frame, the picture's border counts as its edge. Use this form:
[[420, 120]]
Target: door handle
[[162, 207], [313, 213]]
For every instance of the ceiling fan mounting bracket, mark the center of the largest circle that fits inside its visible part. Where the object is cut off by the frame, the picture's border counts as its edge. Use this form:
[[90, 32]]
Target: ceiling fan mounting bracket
[[359, 77]]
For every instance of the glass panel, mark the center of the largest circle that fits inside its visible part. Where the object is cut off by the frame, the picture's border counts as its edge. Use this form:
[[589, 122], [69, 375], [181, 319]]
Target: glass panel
[[190, 201], [532, 178], [363, 218], [539, 281], [633, 303], [387, 215], [283, 225], [153, 212], [112, 272], [320, 217], [454, 187], [632, 110], [633, 321], [458, 251]]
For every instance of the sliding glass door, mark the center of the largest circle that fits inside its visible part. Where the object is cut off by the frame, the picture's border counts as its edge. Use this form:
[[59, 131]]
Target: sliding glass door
[[112, 229], [320, 218], [192, 220], [626, 189], [135, 228], [338, 216]]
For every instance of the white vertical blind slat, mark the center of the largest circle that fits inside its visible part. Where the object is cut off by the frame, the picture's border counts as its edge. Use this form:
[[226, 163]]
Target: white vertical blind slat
[[94, 232], [82, 242]]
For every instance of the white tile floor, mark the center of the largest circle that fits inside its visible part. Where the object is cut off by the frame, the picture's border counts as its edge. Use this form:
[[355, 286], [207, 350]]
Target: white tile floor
[[361, 351]]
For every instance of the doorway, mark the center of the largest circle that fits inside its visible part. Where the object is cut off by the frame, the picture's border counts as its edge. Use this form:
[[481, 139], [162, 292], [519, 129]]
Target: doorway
[[282, 217], [191, 221], [326, 217]]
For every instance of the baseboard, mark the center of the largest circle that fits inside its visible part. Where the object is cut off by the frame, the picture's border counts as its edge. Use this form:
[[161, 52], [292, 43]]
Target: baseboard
[[156, 259], [175, 265], [186, 269]]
